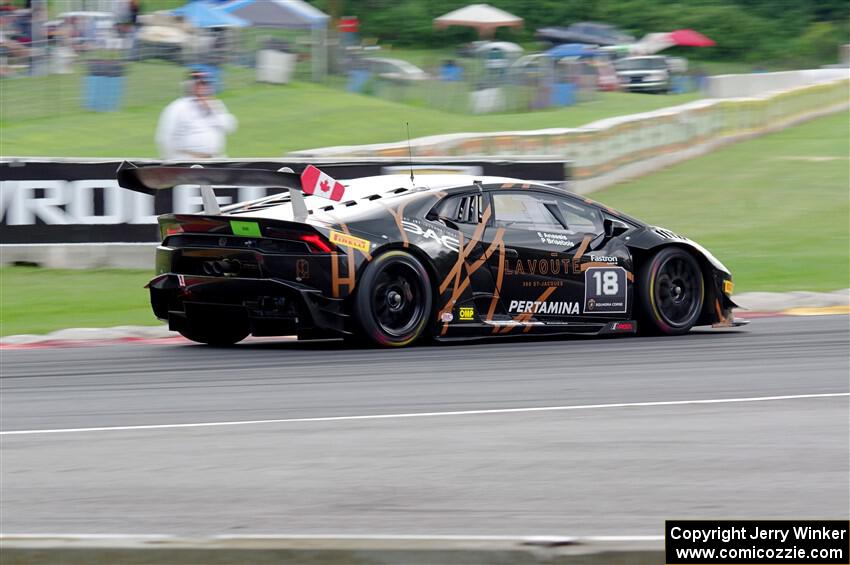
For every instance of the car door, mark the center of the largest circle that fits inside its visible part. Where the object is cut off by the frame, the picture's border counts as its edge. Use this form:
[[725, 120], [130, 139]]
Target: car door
[[470, 288], [545, 239], [601, 266]]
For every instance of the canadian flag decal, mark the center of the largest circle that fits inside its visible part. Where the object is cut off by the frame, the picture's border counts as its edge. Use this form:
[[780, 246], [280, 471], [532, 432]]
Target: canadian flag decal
[[317, 183]]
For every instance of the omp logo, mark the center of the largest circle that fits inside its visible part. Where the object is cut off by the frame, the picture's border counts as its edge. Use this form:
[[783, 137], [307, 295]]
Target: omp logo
[[466, 313], [543, 307]]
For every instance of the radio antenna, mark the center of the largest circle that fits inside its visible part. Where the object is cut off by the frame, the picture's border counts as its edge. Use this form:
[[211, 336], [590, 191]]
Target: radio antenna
[[409, 152]]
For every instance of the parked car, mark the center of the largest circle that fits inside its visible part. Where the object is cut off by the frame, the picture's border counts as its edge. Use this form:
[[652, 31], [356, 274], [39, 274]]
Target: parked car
[[643, 74], [394, 69], [90, 30]]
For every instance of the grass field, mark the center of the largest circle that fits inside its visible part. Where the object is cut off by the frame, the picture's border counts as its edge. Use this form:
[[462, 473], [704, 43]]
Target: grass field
[[776, 210], [273, 119], [36, 300]]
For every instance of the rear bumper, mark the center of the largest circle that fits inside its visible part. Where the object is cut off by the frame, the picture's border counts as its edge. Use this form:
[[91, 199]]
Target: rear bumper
[[644, 86], [268, 306]]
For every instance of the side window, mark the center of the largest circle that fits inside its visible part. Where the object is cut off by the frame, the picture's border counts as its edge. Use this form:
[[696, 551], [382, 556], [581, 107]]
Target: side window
[[463, 209], [545, 212], [580, 218], [527, 211]]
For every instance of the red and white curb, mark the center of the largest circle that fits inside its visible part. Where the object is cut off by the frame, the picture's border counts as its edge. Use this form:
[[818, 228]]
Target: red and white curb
[[121, 335], [798, 302], [75, 337]]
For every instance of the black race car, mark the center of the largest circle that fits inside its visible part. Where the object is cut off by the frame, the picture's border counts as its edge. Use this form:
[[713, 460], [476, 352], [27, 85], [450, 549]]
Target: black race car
[[398, 259]]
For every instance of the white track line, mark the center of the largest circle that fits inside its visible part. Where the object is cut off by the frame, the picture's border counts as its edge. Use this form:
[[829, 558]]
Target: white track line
[[438, 537], [426, 414]]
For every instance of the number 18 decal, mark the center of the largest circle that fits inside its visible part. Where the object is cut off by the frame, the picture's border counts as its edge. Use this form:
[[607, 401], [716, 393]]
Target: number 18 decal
[[605, 290]]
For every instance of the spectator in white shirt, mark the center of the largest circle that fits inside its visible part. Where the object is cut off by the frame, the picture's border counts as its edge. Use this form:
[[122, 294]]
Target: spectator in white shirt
[[195, 126]]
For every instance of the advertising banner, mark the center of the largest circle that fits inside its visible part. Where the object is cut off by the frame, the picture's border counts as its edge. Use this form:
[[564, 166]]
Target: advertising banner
[[43, 201]]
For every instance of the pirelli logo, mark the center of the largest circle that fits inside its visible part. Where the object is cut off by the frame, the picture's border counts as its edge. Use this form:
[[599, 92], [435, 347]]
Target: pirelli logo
[[728, 287], [347, 240]]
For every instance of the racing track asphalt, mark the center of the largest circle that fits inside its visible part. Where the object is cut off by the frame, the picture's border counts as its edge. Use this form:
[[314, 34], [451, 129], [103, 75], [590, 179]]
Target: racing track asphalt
[[616, 470]]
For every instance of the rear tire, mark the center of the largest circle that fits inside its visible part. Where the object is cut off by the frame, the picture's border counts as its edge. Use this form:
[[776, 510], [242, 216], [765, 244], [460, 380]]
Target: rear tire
[[394, 300], [671, 291], [215, 336]]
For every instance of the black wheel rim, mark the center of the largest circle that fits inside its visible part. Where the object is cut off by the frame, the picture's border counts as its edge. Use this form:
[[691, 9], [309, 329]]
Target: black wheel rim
[[397, 299], [678, 291]]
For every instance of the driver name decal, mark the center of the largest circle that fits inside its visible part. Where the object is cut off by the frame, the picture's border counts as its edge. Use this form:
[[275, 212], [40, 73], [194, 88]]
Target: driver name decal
[[556, 239]]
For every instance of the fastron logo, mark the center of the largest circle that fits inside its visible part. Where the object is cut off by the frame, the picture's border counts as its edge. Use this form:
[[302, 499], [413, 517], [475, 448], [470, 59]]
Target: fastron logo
[[602, 259], [543, 307]]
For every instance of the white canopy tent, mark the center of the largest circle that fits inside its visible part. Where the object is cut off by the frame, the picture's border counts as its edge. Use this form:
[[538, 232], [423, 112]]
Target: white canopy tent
[[483, 17]]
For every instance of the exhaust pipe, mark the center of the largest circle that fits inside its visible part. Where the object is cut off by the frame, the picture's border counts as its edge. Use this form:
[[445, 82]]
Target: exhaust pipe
[[230, 267], [224, 267]]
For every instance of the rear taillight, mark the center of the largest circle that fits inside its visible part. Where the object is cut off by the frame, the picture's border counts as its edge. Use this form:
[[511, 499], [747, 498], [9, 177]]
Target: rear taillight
[[315, 242], [169, 227], [189, 224]]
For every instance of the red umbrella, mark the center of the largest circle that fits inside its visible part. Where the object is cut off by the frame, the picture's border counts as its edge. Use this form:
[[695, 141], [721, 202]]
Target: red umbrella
[[690, 38]]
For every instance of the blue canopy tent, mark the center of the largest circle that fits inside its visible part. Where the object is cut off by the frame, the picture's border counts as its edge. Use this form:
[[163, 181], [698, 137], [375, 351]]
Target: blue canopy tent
[[207, 14], [571, 50], [286, 14]]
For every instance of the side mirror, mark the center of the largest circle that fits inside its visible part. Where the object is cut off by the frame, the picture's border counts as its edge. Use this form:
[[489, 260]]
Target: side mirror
[[613, 228]]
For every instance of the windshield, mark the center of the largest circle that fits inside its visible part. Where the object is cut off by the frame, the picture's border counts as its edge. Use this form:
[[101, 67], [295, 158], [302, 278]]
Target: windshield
[[640, 64]]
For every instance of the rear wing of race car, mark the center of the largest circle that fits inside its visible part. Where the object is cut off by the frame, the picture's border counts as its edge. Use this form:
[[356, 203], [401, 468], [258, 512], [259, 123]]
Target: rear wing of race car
[[149, 180]]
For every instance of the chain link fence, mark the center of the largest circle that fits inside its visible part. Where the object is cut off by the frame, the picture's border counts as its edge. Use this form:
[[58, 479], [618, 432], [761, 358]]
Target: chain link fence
[[92, 61]]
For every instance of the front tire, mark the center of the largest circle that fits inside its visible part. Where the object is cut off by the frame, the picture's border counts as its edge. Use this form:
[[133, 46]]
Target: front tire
[[671, 292], [394, 300]]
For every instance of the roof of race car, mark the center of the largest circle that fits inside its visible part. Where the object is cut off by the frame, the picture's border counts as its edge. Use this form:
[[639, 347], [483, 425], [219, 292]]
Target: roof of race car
[[278, 206], [429, 181]]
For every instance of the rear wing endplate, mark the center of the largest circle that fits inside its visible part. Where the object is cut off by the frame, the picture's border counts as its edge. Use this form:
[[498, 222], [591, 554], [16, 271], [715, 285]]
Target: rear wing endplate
[[149, 180]]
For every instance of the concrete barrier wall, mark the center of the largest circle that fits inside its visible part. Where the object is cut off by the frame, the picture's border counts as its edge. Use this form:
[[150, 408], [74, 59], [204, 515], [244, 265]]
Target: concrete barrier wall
[[757, 84], [638, 143], [80, 255], [353, 550]]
